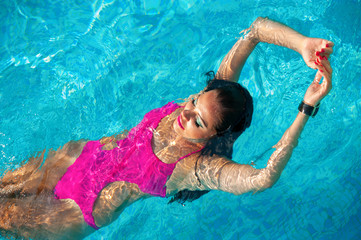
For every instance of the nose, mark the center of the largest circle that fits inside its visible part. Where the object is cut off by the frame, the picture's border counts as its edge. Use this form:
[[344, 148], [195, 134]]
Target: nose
[[188, 114]]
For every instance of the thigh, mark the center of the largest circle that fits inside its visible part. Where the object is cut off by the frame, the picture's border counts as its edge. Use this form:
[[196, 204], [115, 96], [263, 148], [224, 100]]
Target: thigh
[[56, 165], [42, 217], [38, 175]]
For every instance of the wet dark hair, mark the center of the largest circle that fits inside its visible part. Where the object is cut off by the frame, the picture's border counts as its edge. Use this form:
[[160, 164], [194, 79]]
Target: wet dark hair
[[235, 117], [236, 105]]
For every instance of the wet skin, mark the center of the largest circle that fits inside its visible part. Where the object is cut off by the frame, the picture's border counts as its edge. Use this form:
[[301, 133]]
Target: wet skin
[[199, 117]]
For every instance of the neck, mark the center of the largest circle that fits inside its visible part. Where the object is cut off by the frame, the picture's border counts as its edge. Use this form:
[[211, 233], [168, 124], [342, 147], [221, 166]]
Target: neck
[[174, 138], [201, 142]]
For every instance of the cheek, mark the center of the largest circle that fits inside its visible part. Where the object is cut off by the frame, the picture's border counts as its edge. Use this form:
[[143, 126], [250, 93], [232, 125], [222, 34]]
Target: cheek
[[192, 131], [188, 105], [198, 133]]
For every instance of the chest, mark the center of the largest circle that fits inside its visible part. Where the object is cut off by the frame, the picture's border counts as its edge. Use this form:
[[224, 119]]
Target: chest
[[170, 149], [167, 145]]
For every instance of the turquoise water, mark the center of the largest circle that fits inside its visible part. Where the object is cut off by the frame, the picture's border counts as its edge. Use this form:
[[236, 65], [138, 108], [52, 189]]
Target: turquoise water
[[85, 69]]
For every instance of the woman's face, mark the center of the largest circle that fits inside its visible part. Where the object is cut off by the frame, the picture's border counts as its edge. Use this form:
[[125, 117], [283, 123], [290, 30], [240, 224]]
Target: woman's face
[[199, 117]]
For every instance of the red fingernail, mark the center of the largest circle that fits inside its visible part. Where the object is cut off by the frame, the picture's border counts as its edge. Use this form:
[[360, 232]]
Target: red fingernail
[[327, 45], [322, 50], [321, 70], [317, 53], [326, 58]]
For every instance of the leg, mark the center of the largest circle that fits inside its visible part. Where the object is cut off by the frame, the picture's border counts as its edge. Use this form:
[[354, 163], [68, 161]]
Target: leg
[[14, 177], [54, 167], [35, 177], [27, 205], [42, 217], [61, 158]]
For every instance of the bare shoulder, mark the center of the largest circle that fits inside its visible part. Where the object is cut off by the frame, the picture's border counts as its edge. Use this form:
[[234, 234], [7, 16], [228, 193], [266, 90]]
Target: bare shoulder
[[195, 173], [215, 160]]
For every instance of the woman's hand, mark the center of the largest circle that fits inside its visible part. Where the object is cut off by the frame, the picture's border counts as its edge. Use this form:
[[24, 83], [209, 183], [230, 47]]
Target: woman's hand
[[312, 48], [317, 91]]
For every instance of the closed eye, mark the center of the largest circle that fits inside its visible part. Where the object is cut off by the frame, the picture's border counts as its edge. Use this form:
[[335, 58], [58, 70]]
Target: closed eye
[[198, 121], [194, 101]]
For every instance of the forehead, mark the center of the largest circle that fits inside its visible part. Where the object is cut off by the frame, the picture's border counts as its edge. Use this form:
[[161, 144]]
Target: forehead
[[209, 108]]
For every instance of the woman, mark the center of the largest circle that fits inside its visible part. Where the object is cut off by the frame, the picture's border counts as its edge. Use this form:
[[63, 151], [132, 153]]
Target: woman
[[180, 151]]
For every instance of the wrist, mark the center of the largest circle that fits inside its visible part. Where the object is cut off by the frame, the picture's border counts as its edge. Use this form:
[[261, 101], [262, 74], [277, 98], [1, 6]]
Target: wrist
[[301, 47], [308, 109], [290, 137]]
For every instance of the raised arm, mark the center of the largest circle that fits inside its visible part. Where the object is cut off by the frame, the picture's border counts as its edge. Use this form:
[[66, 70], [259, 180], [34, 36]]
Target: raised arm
[[266, 30], [238, 179]]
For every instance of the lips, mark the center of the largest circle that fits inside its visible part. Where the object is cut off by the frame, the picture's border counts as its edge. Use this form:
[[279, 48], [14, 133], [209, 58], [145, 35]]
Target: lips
[[179, 122]]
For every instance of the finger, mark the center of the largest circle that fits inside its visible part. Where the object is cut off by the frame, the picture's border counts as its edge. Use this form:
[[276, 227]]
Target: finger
[[327, 51], [318, 77], [322, 59], [318, 61], [329, 44], [328, 48], [322, 74], [324, 52], [326, 83], [320, 64], [326, 64]]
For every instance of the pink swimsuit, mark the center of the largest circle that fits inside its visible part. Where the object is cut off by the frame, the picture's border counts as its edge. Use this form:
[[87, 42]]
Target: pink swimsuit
[[132, 161]]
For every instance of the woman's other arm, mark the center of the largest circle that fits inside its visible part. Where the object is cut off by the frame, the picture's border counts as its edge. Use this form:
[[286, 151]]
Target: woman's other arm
[[113, 199], [236, 178], [266, 30], [232, 64], [239, 178]]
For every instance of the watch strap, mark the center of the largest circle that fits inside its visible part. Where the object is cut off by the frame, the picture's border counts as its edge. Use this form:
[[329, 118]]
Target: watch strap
[[308, 109]]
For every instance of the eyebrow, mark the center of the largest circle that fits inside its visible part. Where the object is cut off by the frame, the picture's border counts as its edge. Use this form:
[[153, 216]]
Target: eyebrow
[[200, 116]]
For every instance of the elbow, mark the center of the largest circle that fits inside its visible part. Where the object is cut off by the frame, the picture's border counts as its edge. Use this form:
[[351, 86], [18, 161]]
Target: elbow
[[268, 184], [265, 184], [255, 28], [263, 188], [259, 20]]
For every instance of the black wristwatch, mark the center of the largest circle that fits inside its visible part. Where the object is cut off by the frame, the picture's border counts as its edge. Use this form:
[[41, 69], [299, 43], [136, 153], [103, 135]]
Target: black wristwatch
[[307, 109]]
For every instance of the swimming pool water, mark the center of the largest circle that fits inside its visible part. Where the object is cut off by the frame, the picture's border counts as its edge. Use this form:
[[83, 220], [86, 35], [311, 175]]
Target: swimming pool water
[[86, 69]]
